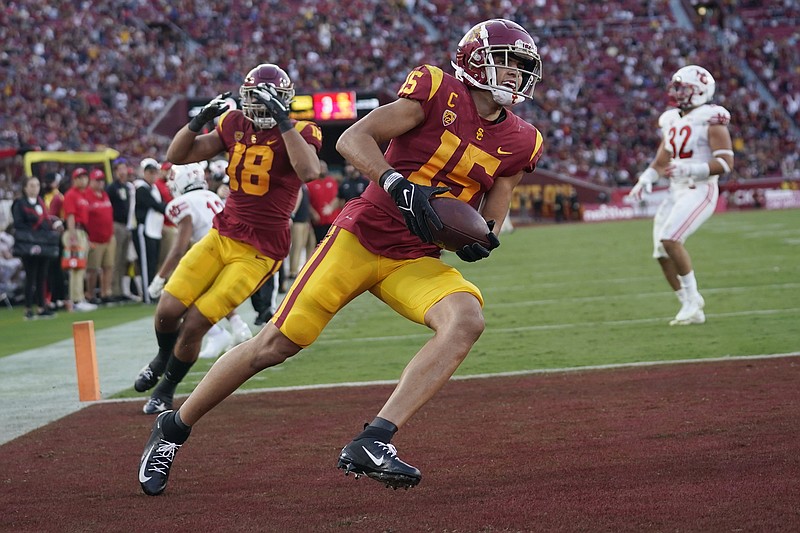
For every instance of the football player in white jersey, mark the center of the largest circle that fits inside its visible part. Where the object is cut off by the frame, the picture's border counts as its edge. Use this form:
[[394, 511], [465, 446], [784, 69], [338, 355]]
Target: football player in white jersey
[[192, 211], [695, 150]]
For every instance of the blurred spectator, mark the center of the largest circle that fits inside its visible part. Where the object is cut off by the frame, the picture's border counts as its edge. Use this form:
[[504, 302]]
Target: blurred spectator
[[56, 280], [149, 210], [36, 236], [121, 193], [323, 195], [102, 245], [352, 185], [303, 239], [11, 271], [75, 239], [169, 232]]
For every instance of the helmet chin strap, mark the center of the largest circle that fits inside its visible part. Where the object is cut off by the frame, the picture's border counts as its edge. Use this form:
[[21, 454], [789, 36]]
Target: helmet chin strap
[[500, 96]]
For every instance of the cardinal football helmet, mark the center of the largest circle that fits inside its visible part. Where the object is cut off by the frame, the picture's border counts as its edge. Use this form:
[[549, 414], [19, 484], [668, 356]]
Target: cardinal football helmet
[[690, 87], [490, 45], [187, 178], [270, 74]]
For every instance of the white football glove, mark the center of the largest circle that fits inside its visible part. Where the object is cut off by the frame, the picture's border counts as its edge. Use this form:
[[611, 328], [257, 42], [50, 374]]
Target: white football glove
[[156, 286], [689, 171], [645, 183]]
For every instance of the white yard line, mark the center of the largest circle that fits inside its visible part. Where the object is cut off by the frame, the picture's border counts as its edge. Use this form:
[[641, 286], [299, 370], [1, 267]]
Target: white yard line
[[40, 386]]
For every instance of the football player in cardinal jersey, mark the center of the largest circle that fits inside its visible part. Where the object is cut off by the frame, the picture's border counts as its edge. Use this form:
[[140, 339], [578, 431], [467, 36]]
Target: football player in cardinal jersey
[[695, 150], [449, 136], [192, 212], [269, 156]]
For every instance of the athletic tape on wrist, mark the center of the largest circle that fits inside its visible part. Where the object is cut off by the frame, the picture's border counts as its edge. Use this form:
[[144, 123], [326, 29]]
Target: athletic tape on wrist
[[650, 175], [389, 178]]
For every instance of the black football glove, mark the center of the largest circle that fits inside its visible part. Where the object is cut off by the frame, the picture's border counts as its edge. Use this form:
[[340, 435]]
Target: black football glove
[[475, 251], [267, 95], [210, 111], [414, 202]]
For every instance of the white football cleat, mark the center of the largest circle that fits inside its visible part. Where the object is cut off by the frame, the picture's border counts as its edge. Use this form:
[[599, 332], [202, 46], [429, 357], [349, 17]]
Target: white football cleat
[[241, 333], [691, 312], [216, 345]]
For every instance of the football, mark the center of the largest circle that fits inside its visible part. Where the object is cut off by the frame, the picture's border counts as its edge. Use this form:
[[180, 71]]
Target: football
[[462, 225]]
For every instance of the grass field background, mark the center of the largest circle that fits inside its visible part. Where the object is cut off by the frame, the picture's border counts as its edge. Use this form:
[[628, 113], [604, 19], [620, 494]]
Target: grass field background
[[557, 296]]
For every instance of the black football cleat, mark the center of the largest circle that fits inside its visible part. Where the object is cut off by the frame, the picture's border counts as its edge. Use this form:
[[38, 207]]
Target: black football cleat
[[146, 379], [156, 460], [379, 461]]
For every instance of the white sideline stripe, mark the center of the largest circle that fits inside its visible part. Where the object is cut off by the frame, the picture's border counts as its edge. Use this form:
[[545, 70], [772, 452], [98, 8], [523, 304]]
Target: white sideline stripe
[[566, 370], [718, 290], [544, 327]]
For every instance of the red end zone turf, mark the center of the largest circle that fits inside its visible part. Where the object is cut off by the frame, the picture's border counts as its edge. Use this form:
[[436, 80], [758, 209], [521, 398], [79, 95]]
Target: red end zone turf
[[698, 447]]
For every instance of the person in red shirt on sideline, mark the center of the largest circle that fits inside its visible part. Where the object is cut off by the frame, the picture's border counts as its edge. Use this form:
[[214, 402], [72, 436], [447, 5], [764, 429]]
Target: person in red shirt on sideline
[[75, 239], [323, 193], [102, 245]]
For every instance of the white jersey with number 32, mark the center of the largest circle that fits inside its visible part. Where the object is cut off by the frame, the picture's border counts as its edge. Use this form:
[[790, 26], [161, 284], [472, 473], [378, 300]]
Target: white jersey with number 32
[[686, 137], [202, 205]]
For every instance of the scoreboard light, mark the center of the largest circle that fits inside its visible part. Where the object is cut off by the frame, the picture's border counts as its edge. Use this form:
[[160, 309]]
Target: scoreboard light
[[302, 107], [339, 105]]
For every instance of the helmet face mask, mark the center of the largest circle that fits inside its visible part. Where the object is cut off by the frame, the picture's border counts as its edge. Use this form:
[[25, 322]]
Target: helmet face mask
[[690, 87], [267, 73], [187, 178], [490, 49]]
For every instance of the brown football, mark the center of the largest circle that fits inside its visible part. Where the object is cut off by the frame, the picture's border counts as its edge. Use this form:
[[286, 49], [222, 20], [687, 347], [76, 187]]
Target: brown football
[[463, 225]]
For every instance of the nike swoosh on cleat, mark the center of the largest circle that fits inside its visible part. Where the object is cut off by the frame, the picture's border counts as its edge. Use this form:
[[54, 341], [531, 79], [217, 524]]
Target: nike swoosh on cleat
[[376, 460], [142, 477]]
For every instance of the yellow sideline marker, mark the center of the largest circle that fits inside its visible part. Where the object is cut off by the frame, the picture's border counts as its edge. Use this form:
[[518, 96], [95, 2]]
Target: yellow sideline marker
[[86, 361]]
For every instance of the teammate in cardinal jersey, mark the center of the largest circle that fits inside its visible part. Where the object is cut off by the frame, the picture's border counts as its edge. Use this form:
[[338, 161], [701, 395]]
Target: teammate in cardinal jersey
[[191, 212], [449, 136], [695, 150], [269, 156]]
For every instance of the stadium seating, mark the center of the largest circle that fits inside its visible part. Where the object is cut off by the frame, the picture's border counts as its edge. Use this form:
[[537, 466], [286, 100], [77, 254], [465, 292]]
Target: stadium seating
[[83, 75]]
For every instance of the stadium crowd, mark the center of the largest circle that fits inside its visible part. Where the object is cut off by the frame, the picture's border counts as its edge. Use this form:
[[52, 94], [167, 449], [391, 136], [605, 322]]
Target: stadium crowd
[[88, 75]]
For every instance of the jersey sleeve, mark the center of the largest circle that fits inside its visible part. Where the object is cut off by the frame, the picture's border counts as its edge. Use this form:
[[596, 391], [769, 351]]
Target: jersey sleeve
[[718, 116], [422, 85], [177, 210], [311, 133]]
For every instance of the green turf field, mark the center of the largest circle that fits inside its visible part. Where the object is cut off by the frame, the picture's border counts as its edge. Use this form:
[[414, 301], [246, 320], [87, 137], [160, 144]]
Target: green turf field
[[558, 296], [19, 335]]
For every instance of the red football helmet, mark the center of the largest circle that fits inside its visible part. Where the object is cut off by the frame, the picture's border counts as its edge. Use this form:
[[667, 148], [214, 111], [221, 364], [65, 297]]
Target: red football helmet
[[270, 74], [490, 45]]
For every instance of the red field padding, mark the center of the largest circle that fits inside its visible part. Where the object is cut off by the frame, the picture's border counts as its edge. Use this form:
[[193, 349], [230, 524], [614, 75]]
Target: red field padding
[[692, 447]]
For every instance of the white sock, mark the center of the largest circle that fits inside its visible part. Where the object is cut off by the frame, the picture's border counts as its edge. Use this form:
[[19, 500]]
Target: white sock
[[215, 330], [236, 321], [689, 283], [681, 294], [126, 285]]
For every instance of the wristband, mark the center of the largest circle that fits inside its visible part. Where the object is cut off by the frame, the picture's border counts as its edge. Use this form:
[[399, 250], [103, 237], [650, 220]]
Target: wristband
[[723, 164], [650, 175], [285, 125], [194, 126], [389, 178]]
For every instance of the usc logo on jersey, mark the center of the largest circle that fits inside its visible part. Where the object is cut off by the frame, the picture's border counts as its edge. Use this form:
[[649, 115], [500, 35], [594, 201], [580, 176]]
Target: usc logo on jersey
[[448, 117]]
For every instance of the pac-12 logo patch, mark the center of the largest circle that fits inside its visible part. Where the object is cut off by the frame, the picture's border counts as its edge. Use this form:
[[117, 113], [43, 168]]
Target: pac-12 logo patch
[[448, 117]]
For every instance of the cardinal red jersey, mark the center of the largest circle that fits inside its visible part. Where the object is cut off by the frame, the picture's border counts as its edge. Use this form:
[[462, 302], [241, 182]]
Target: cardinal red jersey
[[264, 186], [452, 147]]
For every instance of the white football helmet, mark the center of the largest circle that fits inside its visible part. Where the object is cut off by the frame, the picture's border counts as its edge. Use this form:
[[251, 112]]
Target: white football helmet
[[187, 178], [690, 87]]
